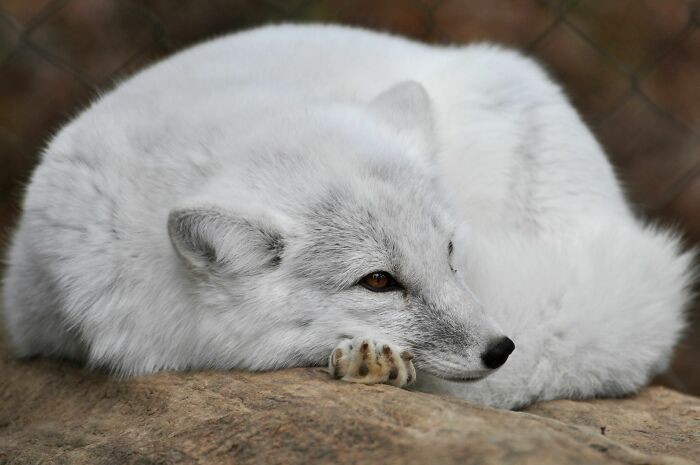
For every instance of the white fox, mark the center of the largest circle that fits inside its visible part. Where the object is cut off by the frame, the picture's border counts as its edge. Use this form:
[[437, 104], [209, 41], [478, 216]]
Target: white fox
[[258, 200]]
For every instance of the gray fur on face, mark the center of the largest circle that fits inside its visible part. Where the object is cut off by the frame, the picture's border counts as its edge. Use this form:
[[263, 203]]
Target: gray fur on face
[[363, 230]]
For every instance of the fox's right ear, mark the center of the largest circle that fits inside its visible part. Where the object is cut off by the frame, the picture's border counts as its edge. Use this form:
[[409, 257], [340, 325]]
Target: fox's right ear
[[407, 108], [211, 239]]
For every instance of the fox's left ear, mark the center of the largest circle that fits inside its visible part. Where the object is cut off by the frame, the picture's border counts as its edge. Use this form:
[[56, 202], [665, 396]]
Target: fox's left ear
[[212, 239], [406, 106]]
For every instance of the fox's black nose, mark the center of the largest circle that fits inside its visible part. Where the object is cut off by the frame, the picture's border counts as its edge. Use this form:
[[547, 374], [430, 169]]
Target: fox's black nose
[[498, 353]]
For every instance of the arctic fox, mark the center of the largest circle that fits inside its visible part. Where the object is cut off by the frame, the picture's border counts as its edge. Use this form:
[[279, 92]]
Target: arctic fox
[[300, 195]]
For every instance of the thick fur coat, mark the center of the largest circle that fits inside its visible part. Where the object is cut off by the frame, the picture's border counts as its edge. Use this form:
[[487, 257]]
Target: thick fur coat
[[219, 209]]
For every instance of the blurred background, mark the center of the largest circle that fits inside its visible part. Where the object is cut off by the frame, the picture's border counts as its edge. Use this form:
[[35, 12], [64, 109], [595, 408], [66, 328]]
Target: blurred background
[[631, 67]]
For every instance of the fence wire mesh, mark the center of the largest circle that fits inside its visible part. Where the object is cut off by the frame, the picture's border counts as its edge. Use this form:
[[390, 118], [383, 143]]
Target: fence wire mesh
[[631, 67]]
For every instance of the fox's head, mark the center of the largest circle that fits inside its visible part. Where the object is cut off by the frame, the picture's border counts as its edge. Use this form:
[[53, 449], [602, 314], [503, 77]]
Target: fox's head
[[332, 225]]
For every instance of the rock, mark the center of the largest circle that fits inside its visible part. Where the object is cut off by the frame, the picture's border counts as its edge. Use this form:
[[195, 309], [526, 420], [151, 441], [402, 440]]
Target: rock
[[57, 412], [656, 421]]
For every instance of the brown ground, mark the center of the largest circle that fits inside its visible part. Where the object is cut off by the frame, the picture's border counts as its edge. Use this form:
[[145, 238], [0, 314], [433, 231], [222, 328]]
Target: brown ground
[[53, 412]]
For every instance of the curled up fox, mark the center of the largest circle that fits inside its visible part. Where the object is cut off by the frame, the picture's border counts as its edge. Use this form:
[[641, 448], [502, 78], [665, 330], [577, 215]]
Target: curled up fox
[[301, 195]]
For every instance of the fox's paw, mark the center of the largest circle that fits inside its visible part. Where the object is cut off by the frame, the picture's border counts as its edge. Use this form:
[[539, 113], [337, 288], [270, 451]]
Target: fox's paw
[[368, 361]]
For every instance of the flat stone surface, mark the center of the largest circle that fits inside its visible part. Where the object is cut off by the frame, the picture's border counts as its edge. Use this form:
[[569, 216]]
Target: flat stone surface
[[57, 412]]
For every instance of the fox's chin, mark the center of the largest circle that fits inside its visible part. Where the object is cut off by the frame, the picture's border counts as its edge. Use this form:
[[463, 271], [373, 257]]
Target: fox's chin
[[457, 376]]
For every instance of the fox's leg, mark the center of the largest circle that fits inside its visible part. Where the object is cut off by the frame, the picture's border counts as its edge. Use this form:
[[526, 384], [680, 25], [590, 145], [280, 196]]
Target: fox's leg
[[368, 361]]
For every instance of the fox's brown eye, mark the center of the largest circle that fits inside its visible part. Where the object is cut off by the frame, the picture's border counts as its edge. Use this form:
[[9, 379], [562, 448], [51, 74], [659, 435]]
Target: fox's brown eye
[[379, 281]]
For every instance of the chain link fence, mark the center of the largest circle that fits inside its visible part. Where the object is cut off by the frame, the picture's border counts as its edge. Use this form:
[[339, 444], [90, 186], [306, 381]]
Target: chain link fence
[[631, 67]]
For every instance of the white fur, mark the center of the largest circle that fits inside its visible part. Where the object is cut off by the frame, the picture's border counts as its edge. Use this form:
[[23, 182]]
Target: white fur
[[248, 140]]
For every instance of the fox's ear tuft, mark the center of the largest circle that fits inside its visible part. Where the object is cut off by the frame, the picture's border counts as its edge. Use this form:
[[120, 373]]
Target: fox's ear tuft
[[406, 106], [212, 239]]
